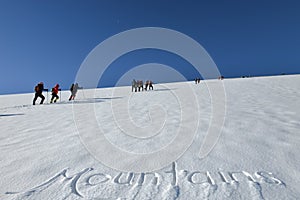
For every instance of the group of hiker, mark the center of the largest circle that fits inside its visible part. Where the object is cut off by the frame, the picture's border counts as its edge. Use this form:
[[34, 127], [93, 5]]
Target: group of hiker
[[197, 80], [139, 85], [39, 88], [136, 86]]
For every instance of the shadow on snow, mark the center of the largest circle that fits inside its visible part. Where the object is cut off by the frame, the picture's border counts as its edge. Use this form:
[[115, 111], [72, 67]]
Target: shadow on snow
[[10, 115]]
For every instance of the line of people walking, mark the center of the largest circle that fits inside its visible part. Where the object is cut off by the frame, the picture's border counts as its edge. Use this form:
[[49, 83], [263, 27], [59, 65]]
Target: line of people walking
[[197, 80], [139, 85], [39, 89]]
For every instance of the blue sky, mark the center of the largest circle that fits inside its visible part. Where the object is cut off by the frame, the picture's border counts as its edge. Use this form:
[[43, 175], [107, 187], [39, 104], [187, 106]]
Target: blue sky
[[48, 40]]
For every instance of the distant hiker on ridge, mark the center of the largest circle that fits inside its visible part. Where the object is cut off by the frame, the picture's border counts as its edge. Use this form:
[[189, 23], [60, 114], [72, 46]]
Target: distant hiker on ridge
[[221, 77], [74, 88], [146, 85], [140, 85], [54, 93], [134, 85], [38, 92], [150, 85]]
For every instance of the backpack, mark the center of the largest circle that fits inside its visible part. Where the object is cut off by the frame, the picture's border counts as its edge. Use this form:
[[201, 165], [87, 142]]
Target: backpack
[[71, 88], [36, 88]]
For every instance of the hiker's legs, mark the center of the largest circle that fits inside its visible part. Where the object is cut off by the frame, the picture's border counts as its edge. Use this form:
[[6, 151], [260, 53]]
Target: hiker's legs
[[56, 98], [52, 98], [35, 98], [42, 97]]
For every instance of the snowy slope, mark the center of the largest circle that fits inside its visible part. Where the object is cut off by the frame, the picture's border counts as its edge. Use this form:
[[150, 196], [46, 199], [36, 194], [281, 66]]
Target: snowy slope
[[256, 157]]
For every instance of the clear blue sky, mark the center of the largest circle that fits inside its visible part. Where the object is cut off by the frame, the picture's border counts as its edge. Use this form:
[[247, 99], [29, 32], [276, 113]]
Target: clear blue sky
[[48, 40]]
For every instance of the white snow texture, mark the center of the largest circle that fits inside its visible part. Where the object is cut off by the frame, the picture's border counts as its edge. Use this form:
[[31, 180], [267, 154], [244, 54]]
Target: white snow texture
[[256, 157]]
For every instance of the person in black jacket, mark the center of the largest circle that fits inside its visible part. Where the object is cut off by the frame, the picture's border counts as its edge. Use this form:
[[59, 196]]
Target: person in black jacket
[[150, 85], [38, 93]]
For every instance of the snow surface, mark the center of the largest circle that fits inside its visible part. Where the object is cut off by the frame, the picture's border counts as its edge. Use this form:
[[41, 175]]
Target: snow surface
[[256, 157]]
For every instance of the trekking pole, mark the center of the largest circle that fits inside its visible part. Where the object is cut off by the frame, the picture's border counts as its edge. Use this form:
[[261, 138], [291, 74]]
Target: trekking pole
[[59, 94], [47, 94]]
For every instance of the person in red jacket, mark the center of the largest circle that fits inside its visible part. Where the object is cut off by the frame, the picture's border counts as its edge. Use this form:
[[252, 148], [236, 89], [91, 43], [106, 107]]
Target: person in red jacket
[[55, 90]]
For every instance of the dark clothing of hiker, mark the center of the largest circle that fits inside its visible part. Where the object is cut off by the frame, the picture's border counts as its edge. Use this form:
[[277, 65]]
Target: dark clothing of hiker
[[55, 96], [140, 85], [38, 93], [134, 86], [150, 85], [146, 85], [74, 88]]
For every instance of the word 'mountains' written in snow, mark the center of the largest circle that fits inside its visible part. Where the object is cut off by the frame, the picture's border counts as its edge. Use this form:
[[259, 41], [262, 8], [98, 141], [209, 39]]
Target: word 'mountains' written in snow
[[90, 178]]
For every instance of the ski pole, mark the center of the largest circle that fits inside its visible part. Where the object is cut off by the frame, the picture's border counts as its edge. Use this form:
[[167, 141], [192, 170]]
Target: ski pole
[[59, 94], [47, 94]]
